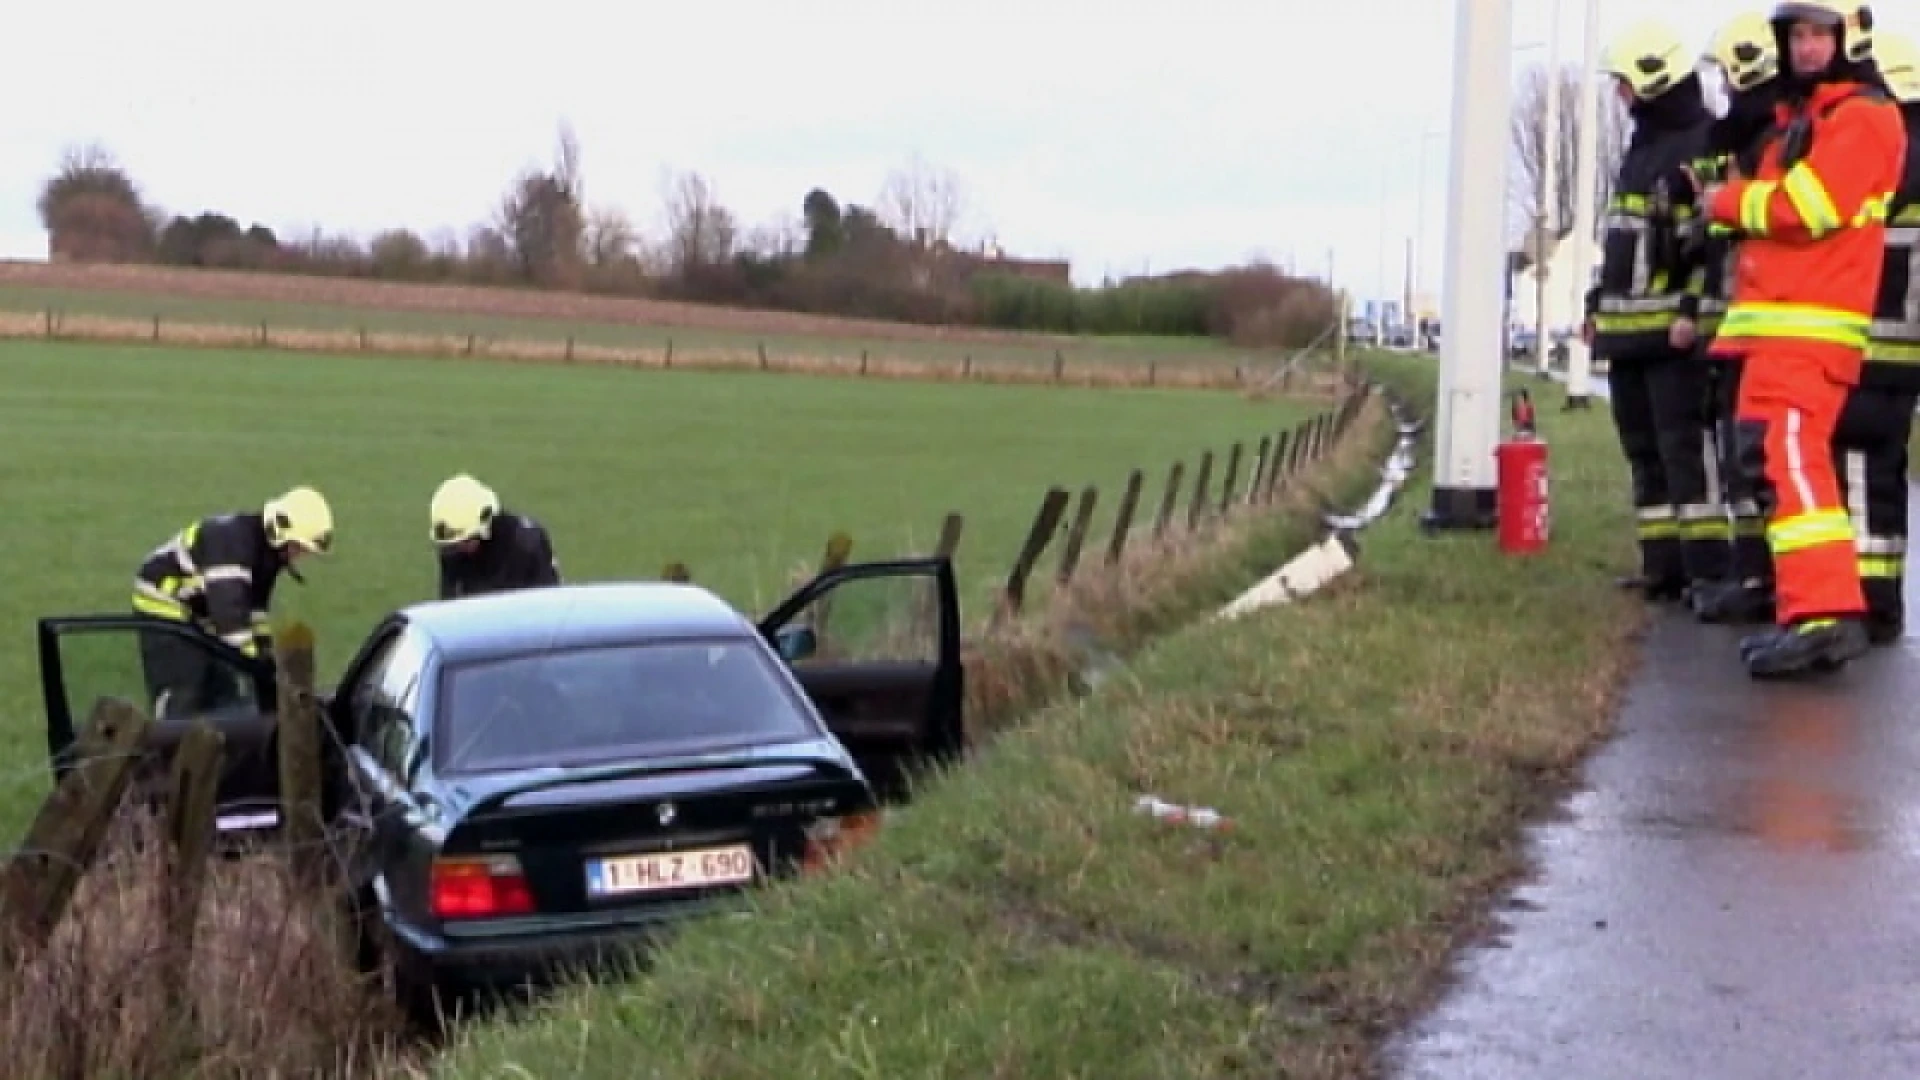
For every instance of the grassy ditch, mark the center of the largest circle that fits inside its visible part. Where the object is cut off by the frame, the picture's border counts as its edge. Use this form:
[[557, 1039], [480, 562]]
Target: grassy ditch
[[1376, 747]]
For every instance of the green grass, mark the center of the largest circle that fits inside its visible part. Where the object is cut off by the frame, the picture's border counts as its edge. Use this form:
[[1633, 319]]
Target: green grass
[[105, 451], [1377, 746], [323, 316]]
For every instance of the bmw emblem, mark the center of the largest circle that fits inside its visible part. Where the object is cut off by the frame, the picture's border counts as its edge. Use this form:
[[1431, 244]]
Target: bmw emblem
[[666, 813]]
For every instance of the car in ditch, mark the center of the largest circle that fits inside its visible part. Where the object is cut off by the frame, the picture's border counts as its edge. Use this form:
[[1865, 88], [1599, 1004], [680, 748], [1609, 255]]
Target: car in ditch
[[529, 781]]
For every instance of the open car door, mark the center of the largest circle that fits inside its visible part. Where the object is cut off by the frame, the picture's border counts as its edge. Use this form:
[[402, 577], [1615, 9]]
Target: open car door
[[876, 645], [85, 658]]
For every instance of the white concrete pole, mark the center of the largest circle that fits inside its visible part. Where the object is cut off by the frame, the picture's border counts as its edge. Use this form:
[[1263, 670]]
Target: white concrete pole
[[1467, 422], [1548, 219], [1586, 183]]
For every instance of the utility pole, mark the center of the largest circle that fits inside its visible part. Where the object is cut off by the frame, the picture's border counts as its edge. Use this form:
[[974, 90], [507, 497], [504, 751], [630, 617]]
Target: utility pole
[[1586, 185], [1547, 221], [1468, 414]]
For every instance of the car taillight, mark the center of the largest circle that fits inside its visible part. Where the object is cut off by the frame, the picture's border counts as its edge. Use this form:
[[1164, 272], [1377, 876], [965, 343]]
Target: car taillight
[[831, 838], [479, 888]]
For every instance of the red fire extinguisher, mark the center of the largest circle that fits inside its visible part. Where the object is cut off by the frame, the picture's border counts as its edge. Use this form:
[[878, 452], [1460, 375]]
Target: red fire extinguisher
[[1521, 496]]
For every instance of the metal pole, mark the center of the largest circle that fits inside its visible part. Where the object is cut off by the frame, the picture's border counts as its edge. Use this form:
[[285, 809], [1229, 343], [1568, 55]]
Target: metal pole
[[1467, 422], [1586, 184], [1548, 219]]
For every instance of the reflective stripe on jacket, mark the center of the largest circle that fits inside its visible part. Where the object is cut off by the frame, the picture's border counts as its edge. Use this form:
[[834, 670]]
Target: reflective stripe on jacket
[[219, 573], [1813, 225]]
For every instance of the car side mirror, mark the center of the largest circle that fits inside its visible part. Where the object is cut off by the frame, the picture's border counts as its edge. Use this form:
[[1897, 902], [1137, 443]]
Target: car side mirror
[[795, 643]]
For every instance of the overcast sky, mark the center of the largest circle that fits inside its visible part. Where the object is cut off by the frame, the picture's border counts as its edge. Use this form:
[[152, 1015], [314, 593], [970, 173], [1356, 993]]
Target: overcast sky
[[1175, 137]]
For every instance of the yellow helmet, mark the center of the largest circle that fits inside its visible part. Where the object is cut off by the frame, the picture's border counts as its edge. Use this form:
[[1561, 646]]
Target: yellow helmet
[[1746, 51], [1650, 57], [1854, 21], [1899, 63], [463, 509], [301, 516]]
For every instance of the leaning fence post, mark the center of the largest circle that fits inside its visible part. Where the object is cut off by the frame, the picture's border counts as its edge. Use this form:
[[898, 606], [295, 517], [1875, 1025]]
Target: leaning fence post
[[65, 836], [1077, 534], [1123, 519], [1170, 499], [1256, 484], [1278, 465], [1233, 476], [1198, 505], [1013, 595]]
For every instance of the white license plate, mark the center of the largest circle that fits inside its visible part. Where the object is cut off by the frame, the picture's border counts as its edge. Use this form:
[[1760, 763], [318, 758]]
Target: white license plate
[[667, 870]]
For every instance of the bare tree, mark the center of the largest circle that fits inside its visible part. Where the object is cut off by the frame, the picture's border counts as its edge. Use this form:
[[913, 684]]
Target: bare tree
[[611, 239], [543, 217], [784, 237], [700, 232], [1530, 143], [922, 203]]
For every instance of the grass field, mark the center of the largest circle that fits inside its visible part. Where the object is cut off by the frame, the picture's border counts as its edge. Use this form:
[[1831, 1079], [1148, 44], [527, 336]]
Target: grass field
[[285, 301], [106, 450], [1377, 747]]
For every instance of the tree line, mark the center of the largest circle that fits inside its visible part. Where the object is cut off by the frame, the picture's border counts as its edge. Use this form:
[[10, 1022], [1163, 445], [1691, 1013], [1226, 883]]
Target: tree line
[[896, 259]]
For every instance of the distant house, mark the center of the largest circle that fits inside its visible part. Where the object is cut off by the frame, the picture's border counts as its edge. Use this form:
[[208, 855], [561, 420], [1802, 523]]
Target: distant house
[[992, 259]]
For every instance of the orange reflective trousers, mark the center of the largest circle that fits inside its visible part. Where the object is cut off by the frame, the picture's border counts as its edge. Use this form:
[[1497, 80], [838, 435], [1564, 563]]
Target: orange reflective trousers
[[1789, 404]]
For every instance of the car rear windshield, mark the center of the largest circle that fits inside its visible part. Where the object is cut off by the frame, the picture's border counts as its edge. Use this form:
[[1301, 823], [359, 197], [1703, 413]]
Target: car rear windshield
[[608, 704]]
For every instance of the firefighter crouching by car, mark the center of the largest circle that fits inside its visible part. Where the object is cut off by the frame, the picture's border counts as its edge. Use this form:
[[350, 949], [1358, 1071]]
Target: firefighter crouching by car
[[1748, 59], [484, 548], [1655, 383], [1813, 219], [219, 574], [1870, 443]]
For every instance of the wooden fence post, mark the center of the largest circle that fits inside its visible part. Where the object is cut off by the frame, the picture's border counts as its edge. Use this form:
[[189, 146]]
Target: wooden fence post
[[1169, 499], [1257, 484], [839, 548], [1232, 478], [1198, 505], [298, 729], [1123, 520], [676, 572], [1077, 534], [1013, 596], [65, 836], [190, 829], [1277, 465]]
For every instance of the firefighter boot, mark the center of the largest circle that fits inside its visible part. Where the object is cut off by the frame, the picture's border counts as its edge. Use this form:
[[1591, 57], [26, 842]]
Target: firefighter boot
[[1735, 602], [1811, 645], [1886, 609], [1655, 590]]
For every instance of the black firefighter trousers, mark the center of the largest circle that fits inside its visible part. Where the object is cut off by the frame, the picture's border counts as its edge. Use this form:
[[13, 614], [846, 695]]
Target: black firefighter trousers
[[1870, 455], [1661, 411]]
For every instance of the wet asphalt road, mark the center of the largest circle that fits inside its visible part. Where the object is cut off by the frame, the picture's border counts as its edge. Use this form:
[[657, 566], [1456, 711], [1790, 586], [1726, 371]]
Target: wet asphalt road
[[1736, 894]]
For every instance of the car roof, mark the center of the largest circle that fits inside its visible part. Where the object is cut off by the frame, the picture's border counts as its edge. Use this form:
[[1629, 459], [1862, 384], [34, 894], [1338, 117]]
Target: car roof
[[572, 616]]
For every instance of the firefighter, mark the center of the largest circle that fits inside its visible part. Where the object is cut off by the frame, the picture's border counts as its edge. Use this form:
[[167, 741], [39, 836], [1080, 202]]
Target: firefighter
[[1748, 60], [219, 574], [484, 548], [1655, 384], [1870, 443], [1813, 224]]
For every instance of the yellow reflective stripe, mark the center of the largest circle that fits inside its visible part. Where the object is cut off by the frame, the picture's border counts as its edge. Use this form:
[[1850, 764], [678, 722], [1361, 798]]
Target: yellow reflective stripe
[[148, 605], [1659, 530], [1720, 229], [1810, 530], [1809, 322], [1753, 206], [1873, 210], [1628, 203], [1810, 200], [1881, 566], [1893, 352], [1909, 215], [1607, 323], [1710, 529]]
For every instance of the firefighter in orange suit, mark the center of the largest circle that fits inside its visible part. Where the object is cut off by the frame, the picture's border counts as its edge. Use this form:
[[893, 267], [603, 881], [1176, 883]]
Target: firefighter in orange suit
[[1813, 225]]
